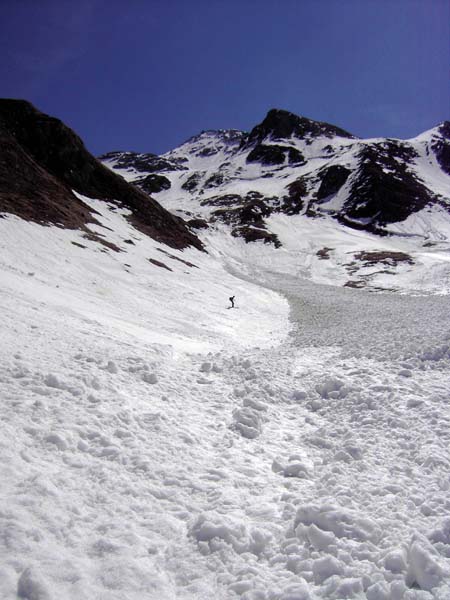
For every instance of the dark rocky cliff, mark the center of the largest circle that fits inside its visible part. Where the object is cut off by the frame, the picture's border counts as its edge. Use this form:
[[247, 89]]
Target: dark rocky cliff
[[42, 161]]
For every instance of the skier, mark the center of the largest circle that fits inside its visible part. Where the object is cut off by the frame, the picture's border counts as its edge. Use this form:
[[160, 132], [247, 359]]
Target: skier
[[232, 301]]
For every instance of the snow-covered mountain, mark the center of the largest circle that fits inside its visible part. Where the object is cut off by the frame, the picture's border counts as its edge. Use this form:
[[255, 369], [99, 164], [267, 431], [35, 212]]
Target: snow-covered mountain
[[330, 183], [156, 444]]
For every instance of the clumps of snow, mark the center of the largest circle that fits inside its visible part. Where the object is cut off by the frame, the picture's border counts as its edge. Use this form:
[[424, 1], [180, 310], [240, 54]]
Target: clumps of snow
[[342, 522], [380, 591], [425, 565], [111, 367], [299, 395], [441, 352], [53, 381], [337, 587], [247, 421], [332, 387], [32, 586], [214, 533], [440, 537], [255, 404], [325, 567], [295, 466], [150, 378], [297, 591], [318, 538], [294, 472], [57, 440]]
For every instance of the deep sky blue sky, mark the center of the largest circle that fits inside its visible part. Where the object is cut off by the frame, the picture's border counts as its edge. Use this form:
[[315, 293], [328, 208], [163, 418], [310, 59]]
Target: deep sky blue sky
[[145, 75]]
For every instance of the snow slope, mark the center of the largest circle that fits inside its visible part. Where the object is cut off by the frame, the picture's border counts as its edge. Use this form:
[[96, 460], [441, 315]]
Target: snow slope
[[155, 444]]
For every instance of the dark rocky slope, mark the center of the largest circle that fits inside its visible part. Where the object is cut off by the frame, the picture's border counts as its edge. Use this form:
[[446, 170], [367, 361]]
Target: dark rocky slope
[[42, 161], [441, 146]]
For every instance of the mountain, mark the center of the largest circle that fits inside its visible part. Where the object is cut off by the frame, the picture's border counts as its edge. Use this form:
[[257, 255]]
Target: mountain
[[44, 164], [156, 444], [293, 165]]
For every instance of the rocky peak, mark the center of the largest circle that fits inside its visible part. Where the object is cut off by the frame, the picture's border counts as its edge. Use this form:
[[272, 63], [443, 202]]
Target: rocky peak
[[281, 124], [224, 135], [209, 143]]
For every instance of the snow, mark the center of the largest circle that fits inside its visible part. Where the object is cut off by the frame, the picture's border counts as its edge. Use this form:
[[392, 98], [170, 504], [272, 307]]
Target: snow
[[155, 444]]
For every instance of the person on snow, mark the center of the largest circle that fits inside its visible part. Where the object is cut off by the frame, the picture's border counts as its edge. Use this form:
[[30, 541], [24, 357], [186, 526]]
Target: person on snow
[[232, 301]]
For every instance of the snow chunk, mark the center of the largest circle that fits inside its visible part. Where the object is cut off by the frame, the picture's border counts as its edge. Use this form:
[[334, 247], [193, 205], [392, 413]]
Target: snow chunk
[[435, 354], [220, 532], [319, 539], [55, 438], [111, 367], [53, 381], [332, 387], [326, 567], [344, 523], [378, 591], [240, 587], [255, 404], [31, 586], [425, 566], [337, 588], [395, 560], [248, 422], [149, 378], [296, 466], [299, 591], [441, 534]]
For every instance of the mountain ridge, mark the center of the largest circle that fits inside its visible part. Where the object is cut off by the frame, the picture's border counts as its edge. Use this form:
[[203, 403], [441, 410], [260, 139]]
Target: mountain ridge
[[316, 169]]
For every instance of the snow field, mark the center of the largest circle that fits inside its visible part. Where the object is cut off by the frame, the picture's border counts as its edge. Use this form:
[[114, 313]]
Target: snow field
[[154, 444], [121, 488]]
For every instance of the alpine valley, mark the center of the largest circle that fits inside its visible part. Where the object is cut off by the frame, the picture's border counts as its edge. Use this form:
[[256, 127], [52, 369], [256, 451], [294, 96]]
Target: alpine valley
[[157, 443]]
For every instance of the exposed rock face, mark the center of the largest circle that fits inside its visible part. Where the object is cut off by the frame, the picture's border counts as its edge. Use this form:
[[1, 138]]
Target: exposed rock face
[[441, 147], [293, 202], [192, 182], [385, 189], [275, 155], [144, 163], [29, 191], [42, 161], [332, 179], [197, 224], [152, 184]]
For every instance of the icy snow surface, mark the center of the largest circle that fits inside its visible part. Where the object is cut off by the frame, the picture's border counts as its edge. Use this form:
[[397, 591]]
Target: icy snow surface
[[155, 444]]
